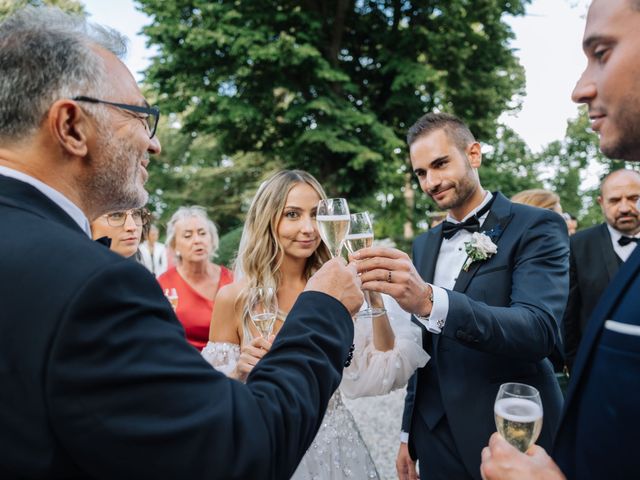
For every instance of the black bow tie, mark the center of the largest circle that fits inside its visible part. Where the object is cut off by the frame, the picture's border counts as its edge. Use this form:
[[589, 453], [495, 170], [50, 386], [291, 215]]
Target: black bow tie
[[622, 241], [106, 241], [471, 224]]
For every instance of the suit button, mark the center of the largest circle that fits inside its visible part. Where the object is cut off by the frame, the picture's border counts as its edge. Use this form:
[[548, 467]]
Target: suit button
[[461, 335]]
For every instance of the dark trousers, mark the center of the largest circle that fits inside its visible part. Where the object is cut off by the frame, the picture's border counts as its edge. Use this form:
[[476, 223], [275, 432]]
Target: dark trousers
[[438, 457]]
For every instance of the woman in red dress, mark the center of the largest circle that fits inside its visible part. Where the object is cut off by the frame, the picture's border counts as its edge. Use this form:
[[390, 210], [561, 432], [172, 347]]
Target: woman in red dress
[[196, 279]]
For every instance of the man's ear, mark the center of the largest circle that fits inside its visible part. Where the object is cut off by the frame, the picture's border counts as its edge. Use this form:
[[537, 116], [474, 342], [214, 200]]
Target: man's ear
[[474, 154], [600, 202], [70, 126]]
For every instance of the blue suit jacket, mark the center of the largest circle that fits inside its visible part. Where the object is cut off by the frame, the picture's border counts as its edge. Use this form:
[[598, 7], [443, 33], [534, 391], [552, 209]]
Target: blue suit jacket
[[601, 419], [98, 381], [503, 321]]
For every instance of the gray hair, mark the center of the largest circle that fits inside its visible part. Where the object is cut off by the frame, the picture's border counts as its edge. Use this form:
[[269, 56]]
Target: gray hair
[[46, 55], [184, 213]]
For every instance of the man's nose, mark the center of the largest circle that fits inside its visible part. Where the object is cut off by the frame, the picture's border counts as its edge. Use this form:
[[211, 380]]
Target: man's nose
[[129, 223], [585, 89]]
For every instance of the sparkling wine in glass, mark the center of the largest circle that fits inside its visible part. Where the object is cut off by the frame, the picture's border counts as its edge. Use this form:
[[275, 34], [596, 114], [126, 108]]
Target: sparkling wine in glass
[[263, 309], [518, 414], [361, 236], [333, 223], [172, 296]]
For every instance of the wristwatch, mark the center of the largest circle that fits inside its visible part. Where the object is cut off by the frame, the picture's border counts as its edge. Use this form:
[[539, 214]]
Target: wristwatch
[[426, 317]]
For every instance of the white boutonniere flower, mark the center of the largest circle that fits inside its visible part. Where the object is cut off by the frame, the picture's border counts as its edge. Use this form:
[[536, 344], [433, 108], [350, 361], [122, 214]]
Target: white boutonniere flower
[[480, 247]]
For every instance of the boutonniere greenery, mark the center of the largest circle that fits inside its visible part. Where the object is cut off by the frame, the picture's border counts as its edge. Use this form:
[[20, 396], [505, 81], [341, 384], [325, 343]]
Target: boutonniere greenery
[[479, 248]]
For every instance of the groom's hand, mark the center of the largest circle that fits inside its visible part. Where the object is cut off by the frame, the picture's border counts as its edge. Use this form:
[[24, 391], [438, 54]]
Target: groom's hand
[[340, 281], [390, 271], [405, 466]]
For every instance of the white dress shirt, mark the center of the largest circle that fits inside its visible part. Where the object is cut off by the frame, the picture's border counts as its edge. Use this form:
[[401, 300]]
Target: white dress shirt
[[623, 252], [55, 196], [451, 258]]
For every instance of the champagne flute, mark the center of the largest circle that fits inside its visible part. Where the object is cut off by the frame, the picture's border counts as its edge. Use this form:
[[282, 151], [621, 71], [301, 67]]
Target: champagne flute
[[333, 221], [263, 309], [518, 414], [361, 236], [172, 295]]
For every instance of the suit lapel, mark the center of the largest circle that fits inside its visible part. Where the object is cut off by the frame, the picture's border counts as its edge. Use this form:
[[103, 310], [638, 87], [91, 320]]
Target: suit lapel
[[608, 301], [497, 219], [608, 253], [427, 266]]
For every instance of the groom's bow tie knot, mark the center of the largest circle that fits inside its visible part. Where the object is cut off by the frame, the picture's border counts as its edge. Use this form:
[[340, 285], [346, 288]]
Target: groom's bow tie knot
[[622, 241], [471, 224], [449, 229]]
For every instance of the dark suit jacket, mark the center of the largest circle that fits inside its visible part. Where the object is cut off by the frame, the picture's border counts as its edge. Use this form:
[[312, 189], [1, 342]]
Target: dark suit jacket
[[601, 419], [98, 381], [503, 322], [592, 265]]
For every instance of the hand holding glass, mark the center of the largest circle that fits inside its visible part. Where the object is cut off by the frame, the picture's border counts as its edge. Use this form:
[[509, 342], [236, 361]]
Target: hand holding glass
[[333, 223], [518, 414], [263, 309], [361, 236]]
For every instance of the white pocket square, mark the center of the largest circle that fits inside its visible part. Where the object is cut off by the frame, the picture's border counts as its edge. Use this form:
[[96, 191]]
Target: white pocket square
[[624, 328]]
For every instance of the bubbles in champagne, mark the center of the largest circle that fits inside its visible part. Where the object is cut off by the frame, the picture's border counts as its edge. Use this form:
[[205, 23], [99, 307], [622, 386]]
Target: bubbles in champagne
[[358, 241], [264, 323], [519, 421], [333, 230]]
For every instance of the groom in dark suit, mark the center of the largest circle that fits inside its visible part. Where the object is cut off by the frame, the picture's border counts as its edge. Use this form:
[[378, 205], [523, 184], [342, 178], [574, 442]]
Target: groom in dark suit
[[597, 252], [488, 287], [601, 417], [96, 377]]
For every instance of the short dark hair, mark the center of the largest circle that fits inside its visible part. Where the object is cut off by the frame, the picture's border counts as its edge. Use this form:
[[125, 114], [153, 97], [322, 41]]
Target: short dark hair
[[455, 128]]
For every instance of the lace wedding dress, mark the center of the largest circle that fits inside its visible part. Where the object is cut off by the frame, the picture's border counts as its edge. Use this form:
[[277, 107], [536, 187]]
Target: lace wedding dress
[[338, 451]]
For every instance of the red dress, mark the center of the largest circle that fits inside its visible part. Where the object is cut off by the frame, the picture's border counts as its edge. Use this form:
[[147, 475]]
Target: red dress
[[194, 311]]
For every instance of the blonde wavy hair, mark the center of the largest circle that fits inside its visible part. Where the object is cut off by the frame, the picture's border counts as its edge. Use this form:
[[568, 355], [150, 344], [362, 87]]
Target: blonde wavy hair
[[260, 254], [540, 198]]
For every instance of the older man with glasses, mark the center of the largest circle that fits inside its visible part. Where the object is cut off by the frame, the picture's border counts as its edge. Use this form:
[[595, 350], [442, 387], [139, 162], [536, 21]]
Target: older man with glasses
[[97, 378]]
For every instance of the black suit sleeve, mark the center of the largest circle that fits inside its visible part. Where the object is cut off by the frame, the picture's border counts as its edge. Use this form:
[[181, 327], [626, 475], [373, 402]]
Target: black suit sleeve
[[130, 398], [528, 328], [571, 320]]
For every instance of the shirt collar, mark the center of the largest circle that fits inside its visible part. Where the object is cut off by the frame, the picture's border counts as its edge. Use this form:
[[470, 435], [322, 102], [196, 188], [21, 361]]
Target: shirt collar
[[487, 198], [55, 196], [616, 234]]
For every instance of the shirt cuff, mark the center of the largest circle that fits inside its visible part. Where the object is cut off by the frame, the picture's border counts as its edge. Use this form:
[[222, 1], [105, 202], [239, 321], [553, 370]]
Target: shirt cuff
[[434, 322], [404, 437]]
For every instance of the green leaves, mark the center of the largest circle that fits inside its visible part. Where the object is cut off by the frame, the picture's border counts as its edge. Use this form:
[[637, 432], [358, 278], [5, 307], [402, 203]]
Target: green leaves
[[330, 86]]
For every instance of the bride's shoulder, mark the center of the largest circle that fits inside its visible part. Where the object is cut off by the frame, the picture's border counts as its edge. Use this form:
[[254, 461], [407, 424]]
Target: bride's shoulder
[[231, 291]]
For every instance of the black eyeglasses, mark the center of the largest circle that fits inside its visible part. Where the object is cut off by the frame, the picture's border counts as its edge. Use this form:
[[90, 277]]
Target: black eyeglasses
[[150, 120]]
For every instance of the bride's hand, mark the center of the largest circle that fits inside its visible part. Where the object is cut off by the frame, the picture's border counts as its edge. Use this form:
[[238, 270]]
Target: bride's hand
[[250, 355]]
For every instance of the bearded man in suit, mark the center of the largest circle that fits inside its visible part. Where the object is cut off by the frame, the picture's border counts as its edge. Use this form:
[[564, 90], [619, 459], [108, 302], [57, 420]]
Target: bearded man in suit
[[488, 287], [97, 378], [600, 421], [597, 252]]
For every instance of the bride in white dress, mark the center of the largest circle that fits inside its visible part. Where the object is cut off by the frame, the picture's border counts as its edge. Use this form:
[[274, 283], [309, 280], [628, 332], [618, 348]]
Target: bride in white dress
[[281, 247]]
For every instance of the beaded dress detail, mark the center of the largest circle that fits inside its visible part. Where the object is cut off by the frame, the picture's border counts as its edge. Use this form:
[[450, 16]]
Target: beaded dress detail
[[338, 452]]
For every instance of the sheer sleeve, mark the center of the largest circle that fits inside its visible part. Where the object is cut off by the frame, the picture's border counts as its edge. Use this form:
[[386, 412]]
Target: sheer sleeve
[[373, 372], [222, 356]]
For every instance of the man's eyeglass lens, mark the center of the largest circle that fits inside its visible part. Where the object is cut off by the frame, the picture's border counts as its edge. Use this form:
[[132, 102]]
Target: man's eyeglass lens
[[118, 219], [150, 118]]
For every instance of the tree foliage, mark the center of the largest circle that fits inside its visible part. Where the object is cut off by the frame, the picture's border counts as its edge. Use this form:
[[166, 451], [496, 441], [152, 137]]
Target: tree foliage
[[573, 167], [329, 86], [9, 6]]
